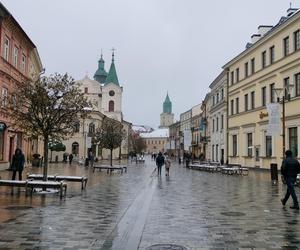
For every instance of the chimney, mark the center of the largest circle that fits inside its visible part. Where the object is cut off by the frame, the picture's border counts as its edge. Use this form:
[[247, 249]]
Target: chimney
[[263, 29], [255, 38], [291, 11]]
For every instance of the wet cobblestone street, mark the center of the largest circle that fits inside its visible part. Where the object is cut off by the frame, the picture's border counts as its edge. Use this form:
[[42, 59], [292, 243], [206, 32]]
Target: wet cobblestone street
[[197, 210]]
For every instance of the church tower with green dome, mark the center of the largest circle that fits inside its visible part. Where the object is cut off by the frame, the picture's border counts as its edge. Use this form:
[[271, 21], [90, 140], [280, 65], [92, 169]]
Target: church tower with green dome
[[100, 75], [166, 117]]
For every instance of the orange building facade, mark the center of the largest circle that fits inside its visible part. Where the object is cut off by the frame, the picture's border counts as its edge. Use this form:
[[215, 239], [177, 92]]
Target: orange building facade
[[19, 62]]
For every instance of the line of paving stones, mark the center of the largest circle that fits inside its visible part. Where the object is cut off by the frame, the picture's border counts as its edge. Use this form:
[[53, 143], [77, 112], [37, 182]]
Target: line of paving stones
[[81, 221], [200, 210]]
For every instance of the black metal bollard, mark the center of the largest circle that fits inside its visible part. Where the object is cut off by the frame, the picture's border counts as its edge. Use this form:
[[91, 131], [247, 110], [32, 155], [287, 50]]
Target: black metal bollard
[[274, 172]]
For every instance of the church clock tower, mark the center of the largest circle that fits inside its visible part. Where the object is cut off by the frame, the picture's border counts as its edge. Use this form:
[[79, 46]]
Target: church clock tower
[[166, 117]]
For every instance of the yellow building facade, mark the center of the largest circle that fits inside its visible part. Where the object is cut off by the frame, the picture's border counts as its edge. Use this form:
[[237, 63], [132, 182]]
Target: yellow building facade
[[271, 62]]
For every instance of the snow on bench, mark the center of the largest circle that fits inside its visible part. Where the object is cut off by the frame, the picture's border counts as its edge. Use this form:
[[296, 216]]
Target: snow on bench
[[110, 169], [82, 179], [29, 184]]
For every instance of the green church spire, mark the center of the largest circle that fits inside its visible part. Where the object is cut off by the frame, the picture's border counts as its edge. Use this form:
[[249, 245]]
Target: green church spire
[[112, 74], [100, 75], [167, 105]]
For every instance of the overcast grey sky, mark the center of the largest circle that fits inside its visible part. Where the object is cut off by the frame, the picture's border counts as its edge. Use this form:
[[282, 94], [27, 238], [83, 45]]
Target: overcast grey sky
[[161, 45]]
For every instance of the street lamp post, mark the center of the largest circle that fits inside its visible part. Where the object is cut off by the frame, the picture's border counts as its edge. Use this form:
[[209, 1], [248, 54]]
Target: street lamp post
[[285, 97]]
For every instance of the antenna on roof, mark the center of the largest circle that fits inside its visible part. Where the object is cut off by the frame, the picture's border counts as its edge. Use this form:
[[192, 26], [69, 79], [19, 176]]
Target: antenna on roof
[[290, 5]]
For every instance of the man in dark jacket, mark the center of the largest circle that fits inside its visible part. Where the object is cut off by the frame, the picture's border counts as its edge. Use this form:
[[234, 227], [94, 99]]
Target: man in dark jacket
[[160, 160], [289, 169], [17, 164]]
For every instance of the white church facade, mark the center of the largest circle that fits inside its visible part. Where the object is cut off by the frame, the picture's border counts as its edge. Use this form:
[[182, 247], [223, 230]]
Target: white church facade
[[105, 94]]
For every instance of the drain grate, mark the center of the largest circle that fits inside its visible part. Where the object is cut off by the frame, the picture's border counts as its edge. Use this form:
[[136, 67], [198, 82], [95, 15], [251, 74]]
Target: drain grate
[[233, 214], [166, 247], [18, 207]]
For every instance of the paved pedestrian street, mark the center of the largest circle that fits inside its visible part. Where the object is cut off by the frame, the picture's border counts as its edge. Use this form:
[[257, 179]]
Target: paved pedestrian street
[[136, 210]]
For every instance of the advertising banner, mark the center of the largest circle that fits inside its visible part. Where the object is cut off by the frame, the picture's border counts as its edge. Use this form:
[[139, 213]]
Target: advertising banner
[[274, 119], [187, 139]]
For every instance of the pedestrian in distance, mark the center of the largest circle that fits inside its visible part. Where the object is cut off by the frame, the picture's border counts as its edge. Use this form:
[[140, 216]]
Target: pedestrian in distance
[[160, 161], [91, 158], [17, 164], [289, 169], [167, 166], [70, 158]]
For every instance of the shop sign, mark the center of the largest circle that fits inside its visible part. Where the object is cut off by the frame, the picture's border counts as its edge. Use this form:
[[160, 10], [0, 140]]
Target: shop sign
[[2, 126]]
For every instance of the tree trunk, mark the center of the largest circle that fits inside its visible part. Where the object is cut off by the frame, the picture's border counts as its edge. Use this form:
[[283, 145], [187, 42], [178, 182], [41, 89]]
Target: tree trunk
[[111, 156], [46, 140]]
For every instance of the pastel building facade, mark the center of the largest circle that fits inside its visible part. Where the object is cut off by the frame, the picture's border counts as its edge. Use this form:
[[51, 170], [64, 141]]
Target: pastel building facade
[[19, 63], [271, 62]]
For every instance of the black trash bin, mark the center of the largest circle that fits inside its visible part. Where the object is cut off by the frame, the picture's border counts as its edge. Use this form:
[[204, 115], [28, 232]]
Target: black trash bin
[[274, 172]]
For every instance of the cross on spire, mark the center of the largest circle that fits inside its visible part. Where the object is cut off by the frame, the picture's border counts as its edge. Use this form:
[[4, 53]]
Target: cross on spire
[[113, 53]]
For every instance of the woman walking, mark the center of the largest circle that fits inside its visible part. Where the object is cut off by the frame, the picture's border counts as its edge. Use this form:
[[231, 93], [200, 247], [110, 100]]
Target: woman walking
[[167, 166], [17, 164]]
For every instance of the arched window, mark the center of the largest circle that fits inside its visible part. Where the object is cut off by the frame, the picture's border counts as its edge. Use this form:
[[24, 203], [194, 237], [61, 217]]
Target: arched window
[[92, 128], [111, 106], [75, 148]]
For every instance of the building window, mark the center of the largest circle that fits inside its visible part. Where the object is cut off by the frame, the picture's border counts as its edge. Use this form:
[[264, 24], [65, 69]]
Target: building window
[[249, 144], [16, 54], [232, 106], [6, 49], [232, 77], [246, 102], [4, 97], [297, 84], [272, 54], [272, 93], [214, 100], [297, 40], [246, 69], [222, 94], [86, 90], [252, 100], [91, 128], [286, 83], [252, 65], [222, 121], [293, 141], [237, 105], [1, 145], [213, 152], [234, 145], [286, 46], [268, 146], [217, 124], [264, 59], [213, 128], [263, 96], [111, 106], [217, 97], [217, 152], [23, 63], [76, 127], [237, 72]]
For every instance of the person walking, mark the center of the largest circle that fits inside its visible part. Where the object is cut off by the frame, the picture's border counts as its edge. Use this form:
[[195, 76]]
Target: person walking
[[160, 160], [70, 158], [17, 164], [289, 169], [167, 166], [91, 158]]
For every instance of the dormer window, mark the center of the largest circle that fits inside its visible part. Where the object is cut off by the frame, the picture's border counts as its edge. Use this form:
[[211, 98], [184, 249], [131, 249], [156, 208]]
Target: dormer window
[[86, 90], [111, 93]]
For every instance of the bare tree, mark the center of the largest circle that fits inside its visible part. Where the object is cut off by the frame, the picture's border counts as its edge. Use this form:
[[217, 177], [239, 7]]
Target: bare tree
[[110, 135], [48, 108], [137, 143]]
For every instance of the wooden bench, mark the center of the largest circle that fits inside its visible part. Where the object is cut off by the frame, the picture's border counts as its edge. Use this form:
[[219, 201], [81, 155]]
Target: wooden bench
[[81, 179], [28, 184], [110, 169]]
